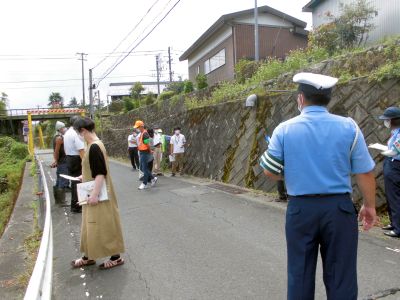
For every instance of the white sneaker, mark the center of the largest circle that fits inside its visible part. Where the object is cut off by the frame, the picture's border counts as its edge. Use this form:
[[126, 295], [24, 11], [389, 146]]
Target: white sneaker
[[142, 186], [154, 181]]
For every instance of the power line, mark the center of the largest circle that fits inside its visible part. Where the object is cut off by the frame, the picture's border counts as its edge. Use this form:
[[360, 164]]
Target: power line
[[155, 26], [130, 32], [40, 87], [144, 30], [40, 58], [74, 79]]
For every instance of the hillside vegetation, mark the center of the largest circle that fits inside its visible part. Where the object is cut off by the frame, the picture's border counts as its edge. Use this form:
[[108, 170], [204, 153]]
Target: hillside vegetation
[[13, 156]]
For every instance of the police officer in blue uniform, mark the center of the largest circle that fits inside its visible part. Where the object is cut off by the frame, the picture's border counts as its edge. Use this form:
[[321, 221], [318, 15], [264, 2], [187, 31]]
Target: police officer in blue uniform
[[316, 152], [391, 170]]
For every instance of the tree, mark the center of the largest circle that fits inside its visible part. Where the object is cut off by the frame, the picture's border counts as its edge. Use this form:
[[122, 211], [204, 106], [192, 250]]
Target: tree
[[56, 100], [201, 81], [136, 90], [3, 103], [128, 103], [349, 29], [355, 22], [73, 102]]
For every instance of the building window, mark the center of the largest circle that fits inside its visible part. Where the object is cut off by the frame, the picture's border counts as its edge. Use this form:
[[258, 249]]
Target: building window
[[198, 69], [214, 62]]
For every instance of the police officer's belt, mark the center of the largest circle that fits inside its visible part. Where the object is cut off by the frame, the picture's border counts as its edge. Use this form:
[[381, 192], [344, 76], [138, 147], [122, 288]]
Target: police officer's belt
[[320, 195]]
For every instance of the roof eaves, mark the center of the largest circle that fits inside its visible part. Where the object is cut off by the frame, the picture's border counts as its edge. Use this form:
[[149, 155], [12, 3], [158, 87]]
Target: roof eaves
[[214, 28], [310, 6], [224, 20]]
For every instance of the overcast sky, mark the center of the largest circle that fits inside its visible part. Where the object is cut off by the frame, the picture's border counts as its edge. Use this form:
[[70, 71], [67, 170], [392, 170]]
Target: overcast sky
[[40, 39]]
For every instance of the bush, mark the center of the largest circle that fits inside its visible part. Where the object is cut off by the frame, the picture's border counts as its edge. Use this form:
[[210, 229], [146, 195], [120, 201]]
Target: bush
[[245, 69], [188, 87], [149, 98], [165, 95], [201, 81], [176, 87], [19, 151], [12, 159]]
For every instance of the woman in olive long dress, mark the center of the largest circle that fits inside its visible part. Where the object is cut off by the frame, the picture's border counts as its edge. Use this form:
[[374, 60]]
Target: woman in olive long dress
[[101, 233]]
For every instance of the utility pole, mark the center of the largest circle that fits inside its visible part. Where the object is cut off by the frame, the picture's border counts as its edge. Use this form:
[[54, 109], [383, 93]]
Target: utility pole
[[83, 76], [91, 87], [158, 73], [169, 64], [99, 110], [256, 46]]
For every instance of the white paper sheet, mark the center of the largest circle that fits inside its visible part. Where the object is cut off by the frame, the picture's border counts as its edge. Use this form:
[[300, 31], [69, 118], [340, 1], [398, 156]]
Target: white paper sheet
[[378, 146], [85, 189], [70, 177]]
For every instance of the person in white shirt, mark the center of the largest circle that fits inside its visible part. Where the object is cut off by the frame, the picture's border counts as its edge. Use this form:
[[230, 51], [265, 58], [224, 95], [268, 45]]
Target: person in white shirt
[[177, 150], [133, 150], [157, 152], [74, 147]]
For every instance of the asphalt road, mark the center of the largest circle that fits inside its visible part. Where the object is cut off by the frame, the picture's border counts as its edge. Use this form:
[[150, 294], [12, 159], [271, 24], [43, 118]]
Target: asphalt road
[[187, 240]]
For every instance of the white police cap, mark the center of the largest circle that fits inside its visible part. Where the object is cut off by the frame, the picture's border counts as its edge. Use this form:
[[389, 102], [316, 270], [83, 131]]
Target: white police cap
[[318, 81], [59, 125]]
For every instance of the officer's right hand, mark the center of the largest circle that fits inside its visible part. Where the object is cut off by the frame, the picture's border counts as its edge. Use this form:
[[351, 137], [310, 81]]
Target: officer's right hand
[[367, 216]]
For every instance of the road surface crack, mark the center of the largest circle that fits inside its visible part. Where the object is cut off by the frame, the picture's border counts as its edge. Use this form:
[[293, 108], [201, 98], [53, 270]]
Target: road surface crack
[[141, 277], [383, 294]]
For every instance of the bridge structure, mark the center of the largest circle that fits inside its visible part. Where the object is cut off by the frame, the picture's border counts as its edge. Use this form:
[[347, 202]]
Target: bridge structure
[[13, 121]]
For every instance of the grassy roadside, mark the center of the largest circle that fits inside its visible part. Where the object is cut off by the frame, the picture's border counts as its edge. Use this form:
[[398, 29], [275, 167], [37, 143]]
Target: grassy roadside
[[13, 156]]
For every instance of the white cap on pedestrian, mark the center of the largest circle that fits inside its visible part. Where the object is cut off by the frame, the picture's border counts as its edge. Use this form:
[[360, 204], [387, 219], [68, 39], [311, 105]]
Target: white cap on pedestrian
[[59, 125]]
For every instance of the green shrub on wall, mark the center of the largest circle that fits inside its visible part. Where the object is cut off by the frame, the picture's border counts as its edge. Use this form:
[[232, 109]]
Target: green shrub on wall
[[201, 81], [165, 95]]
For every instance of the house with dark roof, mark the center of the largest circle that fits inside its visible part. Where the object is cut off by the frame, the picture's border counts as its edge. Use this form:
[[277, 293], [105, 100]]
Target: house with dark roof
[[387, 22], [231, 38]]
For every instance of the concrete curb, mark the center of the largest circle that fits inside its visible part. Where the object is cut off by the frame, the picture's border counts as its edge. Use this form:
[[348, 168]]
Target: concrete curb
[[19, 227]]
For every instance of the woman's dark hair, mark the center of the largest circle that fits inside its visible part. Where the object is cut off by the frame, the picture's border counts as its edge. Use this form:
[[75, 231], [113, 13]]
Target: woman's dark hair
[[150, 132], [85, 123], [177, 128], [395, 122]]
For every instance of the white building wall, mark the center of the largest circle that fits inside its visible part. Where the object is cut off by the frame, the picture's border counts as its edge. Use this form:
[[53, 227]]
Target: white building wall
[[387, 22]]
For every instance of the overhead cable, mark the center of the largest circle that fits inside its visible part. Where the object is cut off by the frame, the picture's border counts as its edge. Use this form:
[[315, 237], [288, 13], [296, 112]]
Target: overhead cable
[[130, 32], [155, 26]]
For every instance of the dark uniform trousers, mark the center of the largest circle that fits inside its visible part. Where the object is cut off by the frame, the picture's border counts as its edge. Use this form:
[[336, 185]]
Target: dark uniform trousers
[[328, 223], [391, 172], [74, 164]]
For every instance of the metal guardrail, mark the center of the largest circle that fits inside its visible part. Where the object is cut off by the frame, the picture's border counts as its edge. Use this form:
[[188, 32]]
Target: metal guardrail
[[40, 284]]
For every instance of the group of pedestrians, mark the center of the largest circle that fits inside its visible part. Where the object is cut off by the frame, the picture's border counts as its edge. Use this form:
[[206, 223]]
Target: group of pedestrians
[[315, 153], [148, 147]]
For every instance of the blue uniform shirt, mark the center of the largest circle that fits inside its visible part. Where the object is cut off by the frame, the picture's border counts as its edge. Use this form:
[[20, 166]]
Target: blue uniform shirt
[[313, 150], [394, 143]]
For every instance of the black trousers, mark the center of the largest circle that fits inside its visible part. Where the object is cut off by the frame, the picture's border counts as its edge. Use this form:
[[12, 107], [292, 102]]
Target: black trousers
[[328, 224], [391, 172], [74, 164], [134, 156]]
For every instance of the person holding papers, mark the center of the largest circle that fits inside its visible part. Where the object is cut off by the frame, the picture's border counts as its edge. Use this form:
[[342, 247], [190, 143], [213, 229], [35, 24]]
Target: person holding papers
[[391, 170], [101, 233]]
